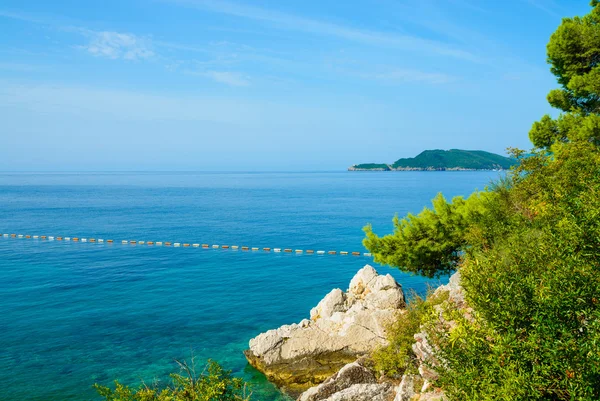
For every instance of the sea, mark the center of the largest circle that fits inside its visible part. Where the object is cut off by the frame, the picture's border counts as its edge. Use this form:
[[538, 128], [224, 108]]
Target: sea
[[77, 313]]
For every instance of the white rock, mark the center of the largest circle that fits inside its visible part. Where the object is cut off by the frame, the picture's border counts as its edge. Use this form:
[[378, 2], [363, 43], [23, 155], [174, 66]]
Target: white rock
[[343, 327]]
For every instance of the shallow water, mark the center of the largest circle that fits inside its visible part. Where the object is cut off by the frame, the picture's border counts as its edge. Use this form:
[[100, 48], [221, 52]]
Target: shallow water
[[73, 314]]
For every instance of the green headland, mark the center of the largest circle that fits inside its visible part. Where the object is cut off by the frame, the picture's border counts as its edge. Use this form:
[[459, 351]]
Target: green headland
[[453, 159]]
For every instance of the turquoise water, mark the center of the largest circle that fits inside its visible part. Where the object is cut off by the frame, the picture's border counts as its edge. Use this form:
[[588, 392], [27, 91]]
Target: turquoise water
[[72, 314]]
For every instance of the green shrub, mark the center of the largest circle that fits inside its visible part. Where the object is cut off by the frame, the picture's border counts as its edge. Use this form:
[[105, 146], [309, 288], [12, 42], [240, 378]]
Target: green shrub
[[213, 384], [397, 357]]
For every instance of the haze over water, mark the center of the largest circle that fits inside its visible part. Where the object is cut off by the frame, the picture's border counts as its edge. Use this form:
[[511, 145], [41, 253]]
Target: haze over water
[[73, 314]]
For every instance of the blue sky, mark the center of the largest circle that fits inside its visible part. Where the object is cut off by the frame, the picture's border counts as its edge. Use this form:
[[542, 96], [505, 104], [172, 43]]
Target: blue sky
[[267, 85]]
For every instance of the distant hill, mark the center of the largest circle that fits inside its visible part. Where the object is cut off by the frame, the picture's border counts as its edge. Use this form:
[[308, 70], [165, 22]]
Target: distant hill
[[453, 159]]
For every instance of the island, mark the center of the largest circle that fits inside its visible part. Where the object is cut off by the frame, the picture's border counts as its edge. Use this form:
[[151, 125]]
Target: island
[[443, 160]]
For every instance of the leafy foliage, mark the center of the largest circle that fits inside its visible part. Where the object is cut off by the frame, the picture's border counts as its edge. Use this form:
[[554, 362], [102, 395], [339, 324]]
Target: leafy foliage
[[397, 357], [213, 384], [528, 250], [431, 242]]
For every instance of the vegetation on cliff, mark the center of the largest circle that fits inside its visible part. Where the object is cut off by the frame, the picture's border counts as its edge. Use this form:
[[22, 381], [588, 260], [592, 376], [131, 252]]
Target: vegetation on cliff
[[528, 249], [453, 159], [212, 384]]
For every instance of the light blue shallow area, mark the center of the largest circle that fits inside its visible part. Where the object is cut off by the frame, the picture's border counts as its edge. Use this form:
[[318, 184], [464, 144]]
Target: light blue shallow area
[[72, 314]]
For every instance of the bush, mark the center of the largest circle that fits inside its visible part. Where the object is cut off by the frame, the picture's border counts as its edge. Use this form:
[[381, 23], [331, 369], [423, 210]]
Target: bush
[[213, 384]]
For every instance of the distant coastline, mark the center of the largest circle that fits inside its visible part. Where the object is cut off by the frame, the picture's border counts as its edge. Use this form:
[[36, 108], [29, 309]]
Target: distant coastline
[[443, 160]]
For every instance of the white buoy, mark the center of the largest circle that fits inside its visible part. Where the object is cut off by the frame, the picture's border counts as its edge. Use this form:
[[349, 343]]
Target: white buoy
[[20, 235], [277, 250], [299, 251], [50, 238], [196, 245], [84, 240], [367, 254], [215, 246], [177, 244], [66, 238], [36, 236], [235, 247], [5, 235], [159, 243], [124, 241], [321, 252], [141, 242], [100, 240]]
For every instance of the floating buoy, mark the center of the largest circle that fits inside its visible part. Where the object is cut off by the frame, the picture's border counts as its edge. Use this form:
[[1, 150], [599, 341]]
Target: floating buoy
[[92, 240], [74, 239], [141, 242], [287, 250], [100, 240], [215, 246], [267, 249], [320, 252], [133, 242], [28, 236], [277, 250], [59, 238], [110, 241], [332, 252], [310, 251], [356, 253], [204, 245], [66, 238], [177, 244], [245, 248], [195, 245], [343, 253], [159, 243], [225, 247], [255, 249], [367, 254], [235, 247], [186, 245], [124, 242], [299, 251]]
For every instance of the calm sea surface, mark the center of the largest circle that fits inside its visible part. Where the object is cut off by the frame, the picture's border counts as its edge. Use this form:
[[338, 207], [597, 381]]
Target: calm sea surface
[[72, 314]]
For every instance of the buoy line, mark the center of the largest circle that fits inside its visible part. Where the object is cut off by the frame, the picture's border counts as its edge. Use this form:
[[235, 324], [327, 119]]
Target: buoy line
[[182, 245]]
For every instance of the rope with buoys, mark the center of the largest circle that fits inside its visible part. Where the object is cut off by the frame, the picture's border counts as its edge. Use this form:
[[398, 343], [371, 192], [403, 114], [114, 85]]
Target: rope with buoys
[[182, 245]]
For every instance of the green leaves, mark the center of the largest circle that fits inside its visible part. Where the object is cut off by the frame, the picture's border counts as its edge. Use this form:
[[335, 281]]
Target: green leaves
[[213, 384]]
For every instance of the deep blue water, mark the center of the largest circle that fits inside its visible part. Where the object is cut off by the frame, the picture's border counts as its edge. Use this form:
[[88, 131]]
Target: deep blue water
[[72, 314]]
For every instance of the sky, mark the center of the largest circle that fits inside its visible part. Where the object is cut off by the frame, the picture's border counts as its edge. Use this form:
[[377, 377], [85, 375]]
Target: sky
[[210, 85]]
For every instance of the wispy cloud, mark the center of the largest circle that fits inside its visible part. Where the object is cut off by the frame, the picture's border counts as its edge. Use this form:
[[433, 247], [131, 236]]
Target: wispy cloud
[[22, 16], [292, 22], [399, 76], [19, 67], [115, 45], [227, 78], [546, 6]]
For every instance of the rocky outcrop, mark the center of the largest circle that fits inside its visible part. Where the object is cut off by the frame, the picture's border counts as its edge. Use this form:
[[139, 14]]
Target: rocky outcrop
[[342, 327], [354, 382]]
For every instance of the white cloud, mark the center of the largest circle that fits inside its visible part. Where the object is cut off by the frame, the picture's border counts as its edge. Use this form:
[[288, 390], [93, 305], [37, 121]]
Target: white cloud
[[228, 78], [545, 6], [292, 22], [410, 76], [115, 45]]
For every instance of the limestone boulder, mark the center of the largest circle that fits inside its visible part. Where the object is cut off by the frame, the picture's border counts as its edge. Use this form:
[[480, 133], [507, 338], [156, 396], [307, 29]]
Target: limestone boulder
[[342, 327]]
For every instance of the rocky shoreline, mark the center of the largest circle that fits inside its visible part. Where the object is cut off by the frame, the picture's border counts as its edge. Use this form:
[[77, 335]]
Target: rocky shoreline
[[326, 357]]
